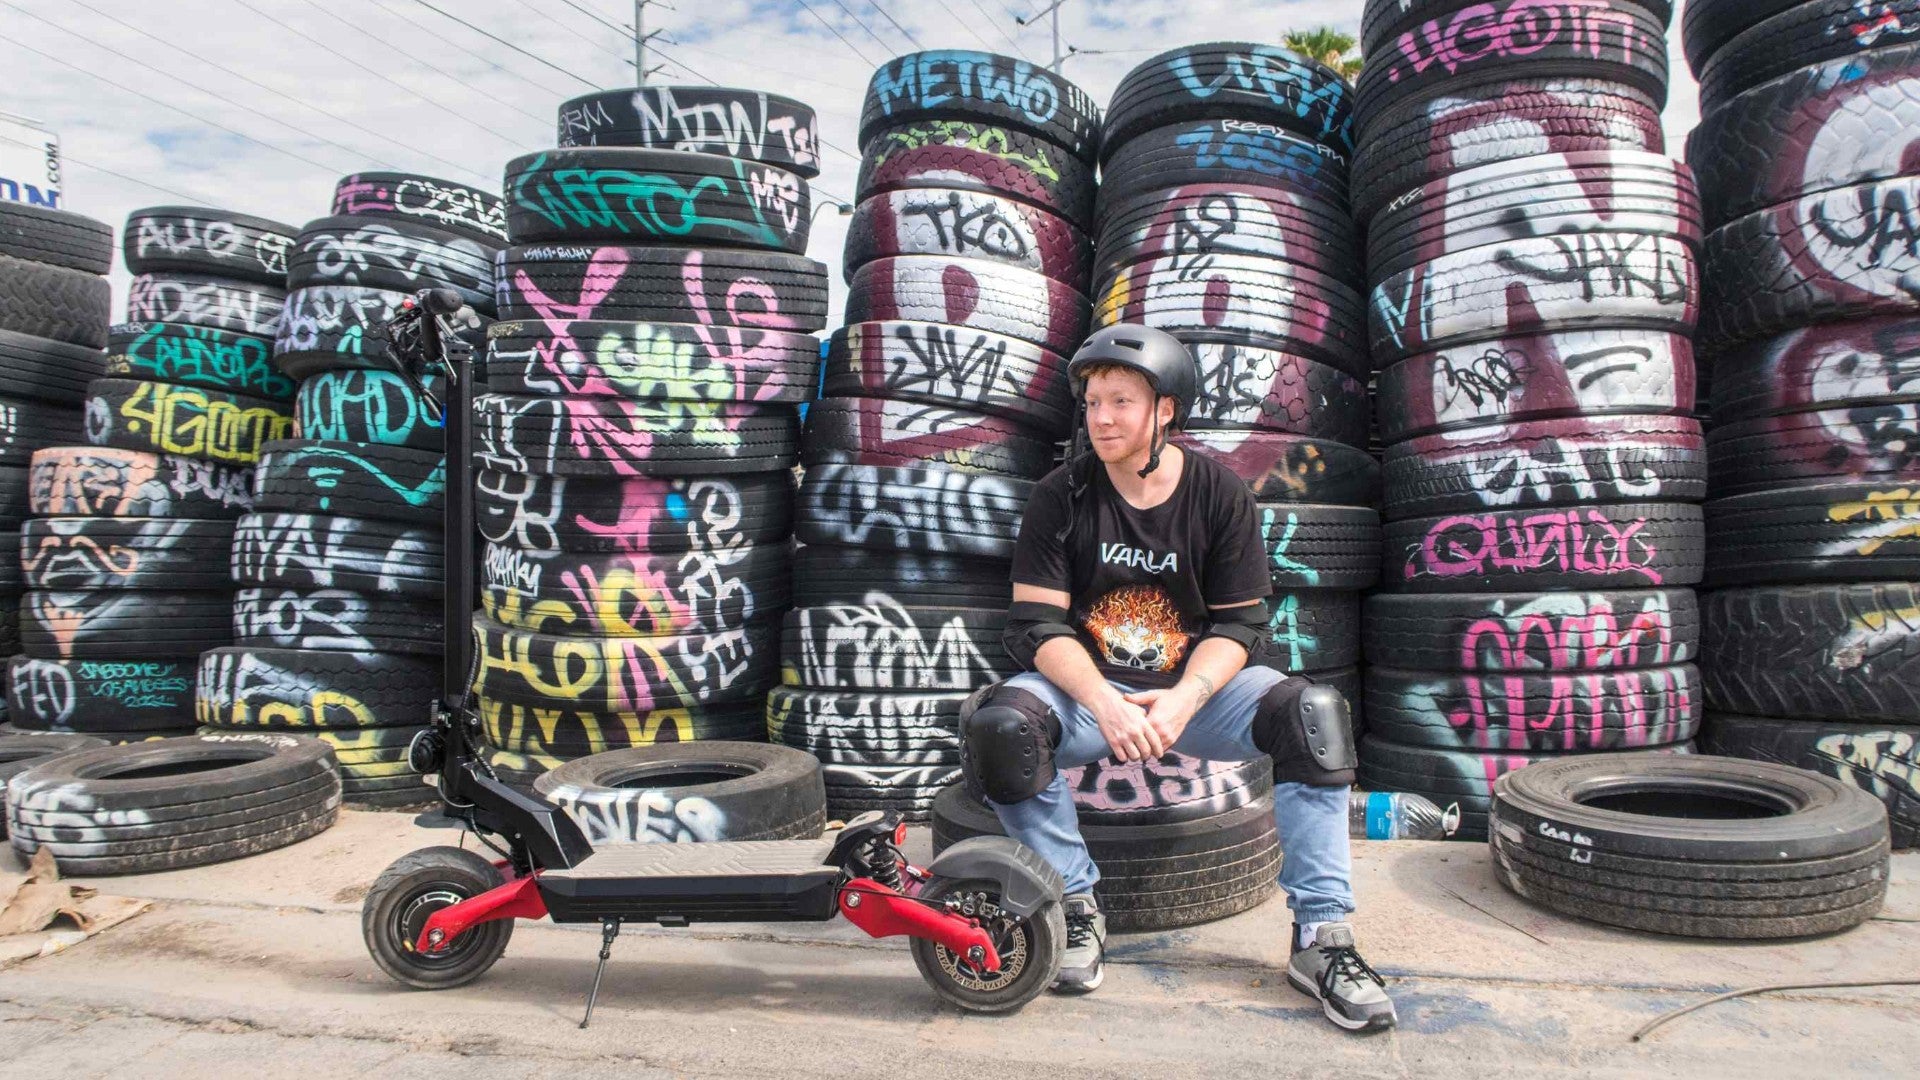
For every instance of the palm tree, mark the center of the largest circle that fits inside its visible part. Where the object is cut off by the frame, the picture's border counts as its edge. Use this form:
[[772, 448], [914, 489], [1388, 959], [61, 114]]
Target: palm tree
[[1327, 45]]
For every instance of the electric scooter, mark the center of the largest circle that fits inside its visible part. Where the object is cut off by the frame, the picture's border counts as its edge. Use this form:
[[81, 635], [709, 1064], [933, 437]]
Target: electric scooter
[[985, 917]]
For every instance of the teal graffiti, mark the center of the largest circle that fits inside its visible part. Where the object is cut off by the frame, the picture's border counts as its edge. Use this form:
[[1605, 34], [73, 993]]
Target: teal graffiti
[[647, 204], [1284, 630], [1278, 548]]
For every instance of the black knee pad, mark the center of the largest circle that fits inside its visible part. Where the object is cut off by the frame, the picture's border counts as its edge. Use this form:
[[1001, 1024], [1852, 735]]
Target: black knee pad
[[1308, 732], [1006, 745]]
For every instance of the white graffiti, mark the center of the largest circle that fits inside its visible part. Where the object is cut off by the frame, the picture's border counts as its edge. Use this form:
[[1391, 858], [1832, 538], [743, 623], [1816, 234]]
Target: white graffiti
[[876, 645]]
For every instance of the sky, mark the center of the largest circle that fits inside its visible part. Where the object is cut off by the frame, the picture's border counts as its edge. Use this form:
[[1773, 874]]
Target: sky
[[259, 106]]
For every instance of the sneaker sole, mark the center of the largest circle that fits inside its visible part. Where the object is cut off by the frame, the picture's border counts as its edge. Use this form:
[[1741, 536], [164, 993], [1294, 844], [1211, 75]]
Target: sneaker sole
[[1081, 988], [1377, 1023]]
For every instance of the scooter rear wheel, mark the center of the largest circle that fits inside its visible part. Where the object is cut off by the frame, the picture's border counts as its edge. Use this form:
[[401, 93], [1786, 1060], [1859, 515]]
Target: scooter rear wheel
[[407, 894], [1030, 951]]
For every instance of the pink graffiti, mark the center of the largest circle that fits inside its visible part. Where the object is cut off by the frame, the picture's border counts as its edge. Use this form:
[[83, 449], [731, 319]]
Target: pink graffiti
[[1595, 711], [642, 499], [1519, 28], [1595, 638], [357, 196], [1569, 541], [1110, 785]]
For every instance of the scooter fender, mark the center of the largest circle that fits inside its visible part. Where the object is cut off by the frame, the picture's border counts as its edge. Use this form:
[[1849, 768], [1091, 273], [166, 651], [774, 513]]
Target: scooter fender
[[1027, 883]]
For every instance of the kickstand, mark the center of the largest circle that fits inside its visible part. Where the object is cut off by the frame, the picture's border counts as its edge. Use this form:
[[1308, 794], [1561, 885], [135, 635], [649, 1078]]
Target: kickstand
[[609, 929]]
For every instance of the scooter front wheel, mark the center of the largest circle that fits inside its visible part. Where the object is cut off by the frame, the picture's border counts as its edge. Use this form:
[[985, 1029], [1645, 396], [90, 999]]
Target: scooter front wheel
[[407, 894], [1030, 951]]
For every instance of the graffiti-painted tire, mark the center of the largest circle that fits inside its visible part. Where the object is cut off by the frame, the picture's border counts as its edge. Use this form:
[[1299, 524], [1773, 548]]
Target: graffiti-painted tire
[[1812, 260], [211, 425], [1596, 546], [15, 498], [1167, 789], [55, 237], [1866, 444], [425, 200], [125, 553], [1845, 365], [877, 431], [1848, 653], [174, 803], [635, 195], [205, 300], [1219, 152], [634, 595], [1195, 220], [626, 514], [907, 790], [85, 481], [956, 223], [1533, 632], [978, 157], [517, 771], [1260, 84], [54, 302], [18, 753], [1707, 25], [690, 792], [1310, 631], [1244, 386], [867, 729], [925, 508], [1282, 467], [600, 437], [1880, 759], [1833, 532], [1812, 821], [196, 356], [884, 646], [1602, 279], [1154, 877], [195, 240], [624, 674], [638, 360], [770, 128], [336, 327], [1419, 141], [1843, 123], [1547, 713], [46, 370], [254, 688], [115, 624], [100, 695], [369, 407], [941, 364], [1243, 300], [825, 575], [1635, 53], [354, 479], [1321, 547], [1582, 373], [633, 283], [954, 84], [329, 551], [1802, 36], [554, 732], [972, 293], [1383, 20], [335, 620], [1625, 191], [391, 253], [1541, 463]]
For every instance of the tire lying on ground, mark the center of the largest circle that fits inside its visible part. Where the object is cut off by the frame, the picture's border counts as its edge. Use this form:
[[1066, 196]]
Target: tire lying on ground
[[1697, 846], [691, 792], [19, 753], [173, 803], [1881, 759], [1155, 877]]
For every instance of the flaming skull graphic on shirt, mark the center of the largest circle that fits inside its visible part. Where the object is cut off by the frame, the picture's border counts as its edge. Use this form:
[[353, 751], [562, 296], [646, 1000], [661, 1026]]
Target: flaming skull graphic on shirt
[[1138, 626]]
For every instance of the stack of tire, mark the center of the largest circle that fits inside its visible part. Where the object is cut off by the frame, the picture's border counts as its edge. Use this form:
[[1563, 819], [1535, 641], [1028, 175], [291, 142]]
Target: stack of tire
[[945, 399], [123, 561], [1810, 116], [54, 310], [1530, 319], [338, 615], [636, 443]]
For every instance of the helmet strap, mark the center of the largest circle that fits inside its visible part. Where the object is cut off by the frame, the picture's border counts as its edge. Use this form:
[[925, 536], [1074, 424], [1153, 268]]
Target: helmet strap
[[1158, 441]]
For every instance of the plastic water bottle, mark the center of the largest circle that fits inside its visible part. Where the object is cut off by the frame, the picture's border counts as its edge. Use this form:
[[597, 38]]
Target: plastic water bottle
[[1397, 815]]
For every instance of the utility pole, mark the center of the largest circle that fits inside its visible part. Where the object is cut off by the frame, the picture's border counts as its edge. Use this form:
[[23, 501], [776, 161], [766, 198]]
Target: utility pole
[[640, 39], [1053, 10]]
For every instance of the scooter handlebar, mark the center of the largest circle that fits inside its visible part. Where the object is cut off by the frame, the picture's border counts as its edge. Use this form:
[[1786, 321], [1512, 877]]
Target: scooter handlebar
[[440, 301]]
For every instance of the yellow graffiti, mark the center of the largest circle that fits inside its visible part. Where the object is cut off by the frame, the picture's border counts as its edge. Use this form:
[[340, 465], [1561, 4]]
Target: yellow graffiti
[[987, 140], [181, 420], [513, 726], [579, 665], [324, 709], [1900, 508]]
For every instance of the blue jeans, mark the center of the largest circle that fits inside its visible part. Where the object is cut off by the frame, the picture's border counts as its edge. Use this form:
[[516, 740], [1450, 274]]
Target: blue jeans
[[1317, 868]]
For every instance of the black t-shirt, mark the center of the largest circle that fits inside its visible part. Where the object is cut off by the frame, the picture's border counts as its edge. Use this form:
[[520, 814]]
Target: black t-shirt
[[1142, 580]]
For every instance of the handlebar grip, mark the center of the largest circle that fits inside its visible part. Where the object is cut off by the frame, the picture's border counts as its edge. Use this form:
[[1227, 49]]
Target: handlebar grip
[[441, 301]]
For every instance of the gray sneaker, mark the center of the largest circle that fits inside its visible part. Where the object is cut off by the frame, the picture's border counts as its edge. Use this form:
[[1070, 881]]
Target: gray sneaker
[[1084, 964], [1330, 969]]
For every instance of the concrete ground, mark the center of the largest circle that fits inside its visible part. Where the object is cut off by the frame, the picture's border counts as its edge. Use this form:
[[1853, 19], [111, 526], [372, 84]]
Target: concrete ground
[[256, 968]]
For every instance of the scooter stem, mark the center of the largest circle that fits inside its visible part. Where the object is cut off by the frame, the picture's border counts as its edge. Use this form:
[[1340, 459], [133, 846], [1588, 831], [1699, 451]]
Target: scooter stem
[[458, 598]]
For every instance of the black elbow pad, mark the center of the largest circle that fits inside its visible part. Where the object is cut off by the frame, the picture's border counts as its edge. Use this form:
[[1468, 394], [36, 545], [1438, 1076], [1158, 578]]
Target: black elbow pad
[[1244, 625], [1029, 625]]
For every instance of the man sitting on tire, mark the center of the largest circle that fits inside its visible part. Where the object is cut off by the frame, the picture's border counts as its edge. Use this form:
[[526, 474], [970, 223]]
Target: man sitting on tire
[[1140, 577]]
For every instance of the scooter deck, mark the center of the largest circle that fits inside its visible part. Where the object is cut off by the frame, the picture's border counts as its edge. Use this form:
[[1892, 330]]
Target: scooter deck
[[723, 881]]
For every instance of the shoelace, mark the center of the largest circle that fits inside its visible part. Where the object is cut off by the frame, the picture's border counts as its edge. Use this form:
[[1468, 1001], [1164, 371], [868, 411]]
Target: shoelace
[[1342, 962], [1079, 930]]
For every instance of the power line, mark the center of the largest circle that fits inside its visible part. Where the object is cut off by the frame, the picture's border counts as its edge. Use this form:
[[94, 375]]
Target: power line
[[862, 23], [196, 117], [590, 41], [763, 66], [279, 93], [415, 23], [595, 16], [896, 24], [69, 159], [508, 44], [843, 40], [1003, 33]]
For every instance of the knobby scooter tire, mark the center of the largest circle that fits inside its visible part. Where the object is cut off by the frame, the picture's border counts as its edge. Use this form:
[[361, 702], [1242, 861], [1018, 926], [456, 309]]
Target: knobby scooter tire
[[410, 891], [1029, 956]]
